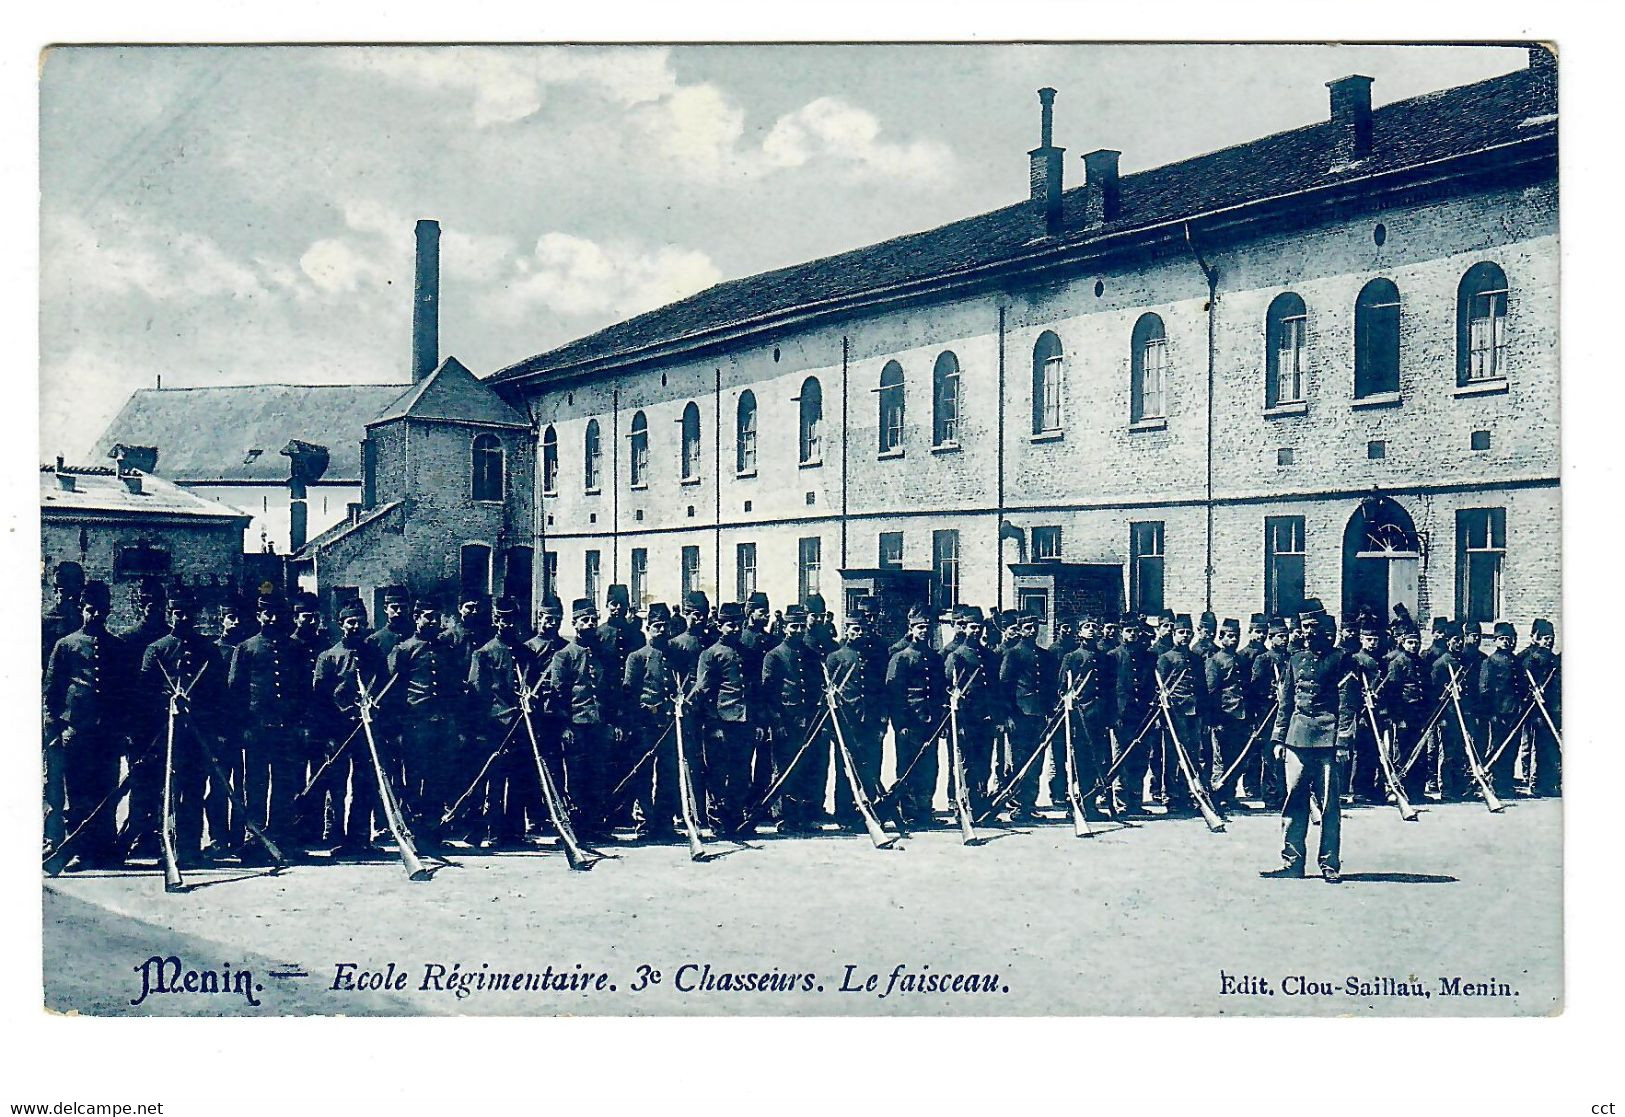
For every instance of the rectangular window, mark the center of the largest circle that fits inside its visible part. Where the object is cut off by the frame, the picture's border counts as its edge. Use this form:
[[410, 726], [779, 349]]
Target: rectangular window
[[1289, 360], [1046, 543], [134, 562], [550, 574], [639, 585], [1153, 395], [691, 570], [1481, 543], [891, 550], [1035, 601], [945, 568], [589, 584], [1487, 336], [745, 561], [809, 566], [1284, 555], [1145, 566]]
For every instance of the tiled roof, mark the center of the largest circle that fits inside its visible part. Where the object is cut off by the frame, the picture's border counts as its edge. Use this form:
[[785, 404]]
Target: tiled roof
[[454, 394], [210, 434], [344, 528], [1409, 133], [100, 490]]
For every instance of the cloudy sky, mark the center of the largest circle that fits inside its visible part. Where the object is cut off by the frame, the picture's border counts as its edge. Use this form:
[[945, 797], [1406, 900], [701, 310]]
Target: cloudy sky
[[240, 215]]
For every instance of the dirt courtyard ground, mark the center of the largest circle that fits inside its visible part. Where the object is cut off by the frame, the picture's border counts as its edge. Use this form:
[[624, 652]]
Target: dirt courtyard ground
[[1150, 920]]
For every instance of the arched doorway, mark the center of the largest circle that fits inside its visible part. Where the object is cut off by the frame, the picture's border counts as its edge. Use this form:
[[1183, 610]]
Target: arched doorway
[[1381, 559]]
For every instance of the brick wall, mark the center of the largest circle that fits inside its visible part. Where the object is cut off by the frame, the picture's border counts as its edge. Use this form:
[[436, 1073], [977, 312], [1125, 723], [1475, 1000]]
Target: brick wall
[[208, 558]]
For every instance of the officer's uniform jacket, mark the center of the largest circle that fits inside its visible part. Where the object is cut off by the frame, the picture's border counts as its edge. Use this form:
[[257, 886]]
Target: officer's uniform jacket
[[1502, 689], [335, 687], [427, 687], [87, 682], [1227, 685], [580, 684], [462, 641], [649, 681], [1321, 694], [493, 677], [307, 649], [914, 692], [620, 639], [265, 681], [1184, 675], [721, 684], [792, 686], [860, 683]]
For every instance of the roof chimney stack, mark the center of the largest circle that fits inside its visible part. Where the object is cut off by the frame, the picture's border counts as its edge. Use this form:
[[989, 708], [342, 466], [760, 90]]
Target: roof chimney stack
[[1100, 195], [143, 458], [1044, 162], [426, 302], [1351, 116]]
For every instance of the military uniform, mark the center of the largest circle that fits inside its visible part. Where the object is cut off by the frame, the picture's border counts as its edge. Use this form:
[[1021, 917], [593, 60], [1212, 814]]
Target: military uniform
[[1364, 778], [1136, 704], [651, 692], [1227, 684], [192, 662], [1319, 703], [722, 694], [494, 671], [63, 615], [1084, 668], [584, 693], [351, 781], [1455, 777], [425, 697], [395, 628], [87, 691], [858, 669], [1269, 667], [1404, 699], [821, 634], [1184, 684], [1503, 694], [264, 694], [755, 642], [1544, 667], [914, 700], [308, 642], [972, 669], [620, 635], [791, 693], [146, 783]]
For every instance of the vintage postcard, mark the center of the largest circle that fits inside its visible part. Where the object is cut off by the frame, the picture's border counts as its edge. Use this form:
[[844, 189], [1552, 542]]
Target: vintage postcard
[[801, 530]]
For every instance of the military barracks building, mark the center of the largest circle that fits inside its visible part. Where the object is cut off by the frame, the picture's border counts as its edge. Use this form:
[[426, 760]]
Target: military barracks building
[[1322, 363]]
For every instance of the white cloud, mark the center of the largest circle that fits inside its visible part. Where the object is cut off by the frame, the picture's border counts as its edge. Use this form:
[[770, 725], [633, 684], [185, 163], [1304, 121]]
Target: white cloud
[[830, 128], [573, 276], [128, 256]]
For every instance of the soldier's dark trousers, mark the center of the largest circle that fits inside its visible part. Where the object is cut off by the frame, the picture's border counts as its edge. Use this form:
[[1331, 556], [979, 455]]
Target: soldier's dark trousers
[[587, 777], [350, 787], [187, 787], [1025, 734], [728, 748], [1548, 758], [146, 789], [767, 762], [1455, 778], [1365, 773], [1229, 738], [1198, 750], [1403, 742], [90, 766], [976, 749], [430, 748], [864, 741], [916, 797], [1312, 773], [1263, 770], [273, 774], [1500, 772], [658, 789], [802, 796], [1141, 747]]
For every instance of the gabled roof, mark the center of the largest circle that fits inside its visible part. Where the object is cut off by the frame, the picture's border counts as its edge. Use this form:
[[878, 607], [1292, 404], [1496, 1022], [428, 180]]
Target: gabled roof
[[210, 434], [452, 394], [345, 528], [1499, 111], [99, 491]]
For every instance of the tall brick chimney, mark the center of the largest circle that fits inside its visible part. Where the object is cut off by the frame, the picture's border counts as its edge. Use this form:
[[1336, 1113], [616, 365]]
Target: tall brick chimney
[[1351, 116], [1044, 167], [1100, 194], [426, 301]]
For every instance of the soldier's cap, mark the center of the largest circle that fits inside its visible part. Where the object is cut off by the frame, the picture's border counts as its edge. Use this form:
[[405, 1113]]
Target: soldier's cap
[[697, 602], [305, 601], [731, 611], [182, 596], [353, 608], [149, 589], [757, 600], [618, 593], [1405, 631], [868, 604], [505, 607], [1439, 625], [68, 576], [815, 603], [1231, 624], [475, 596], [1311, 605], [582, 606], [658, 612], [551, 607], [1090, 617], [270, 603], [1504, 628], [1182, 622], [795, 614], [1132, 620], [1277, 626], [426, 603], [1210, 623], [1471, 628], [1258, 622], [1031, 613], [1446, 627], [1370, 626], [98, 594], [232, 606], [971, 614], [1542, 627], [397, 594], [1009, 618], [1316, 617], [918, 614]]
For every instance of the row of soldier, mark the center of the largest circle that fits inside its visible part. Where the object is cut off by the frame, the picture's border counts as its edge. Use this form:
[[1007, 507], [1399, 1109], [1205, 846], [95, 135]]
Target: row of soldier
[[274, 709]]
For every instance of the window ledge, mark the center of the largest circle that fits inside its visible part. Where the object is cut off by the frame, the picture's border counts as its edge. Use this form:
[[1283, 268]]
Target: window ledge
[[1159, 423], [550, 492], [1496, 387], [1296, 407], [496, 502], [891, 455], [1047, 436], [1379, 399], [592, 492], [743, 474], [641, 487], [946, 448], [692, 480], [812, 464]]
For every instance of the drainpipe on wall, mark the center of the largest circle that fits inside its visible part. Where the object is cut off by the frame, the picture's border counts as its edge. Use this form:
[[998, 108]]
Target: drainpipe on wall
[[846, 418], [998, 519], [615, 490], [716, 536], [1210, 274]]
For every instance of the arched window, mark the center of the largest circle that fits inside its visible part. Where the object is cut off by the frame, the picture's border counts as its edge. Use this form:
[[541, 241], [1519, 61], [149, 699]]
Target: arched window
[[891, 407], [594, 455], [1376, 339], [1481, 324], [945, 400], [1047, 368], [1284, 327], [550, 460], [1149, 383], [487, 467], [691, 442], [811, 401], [639, 450], [745, 433]]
